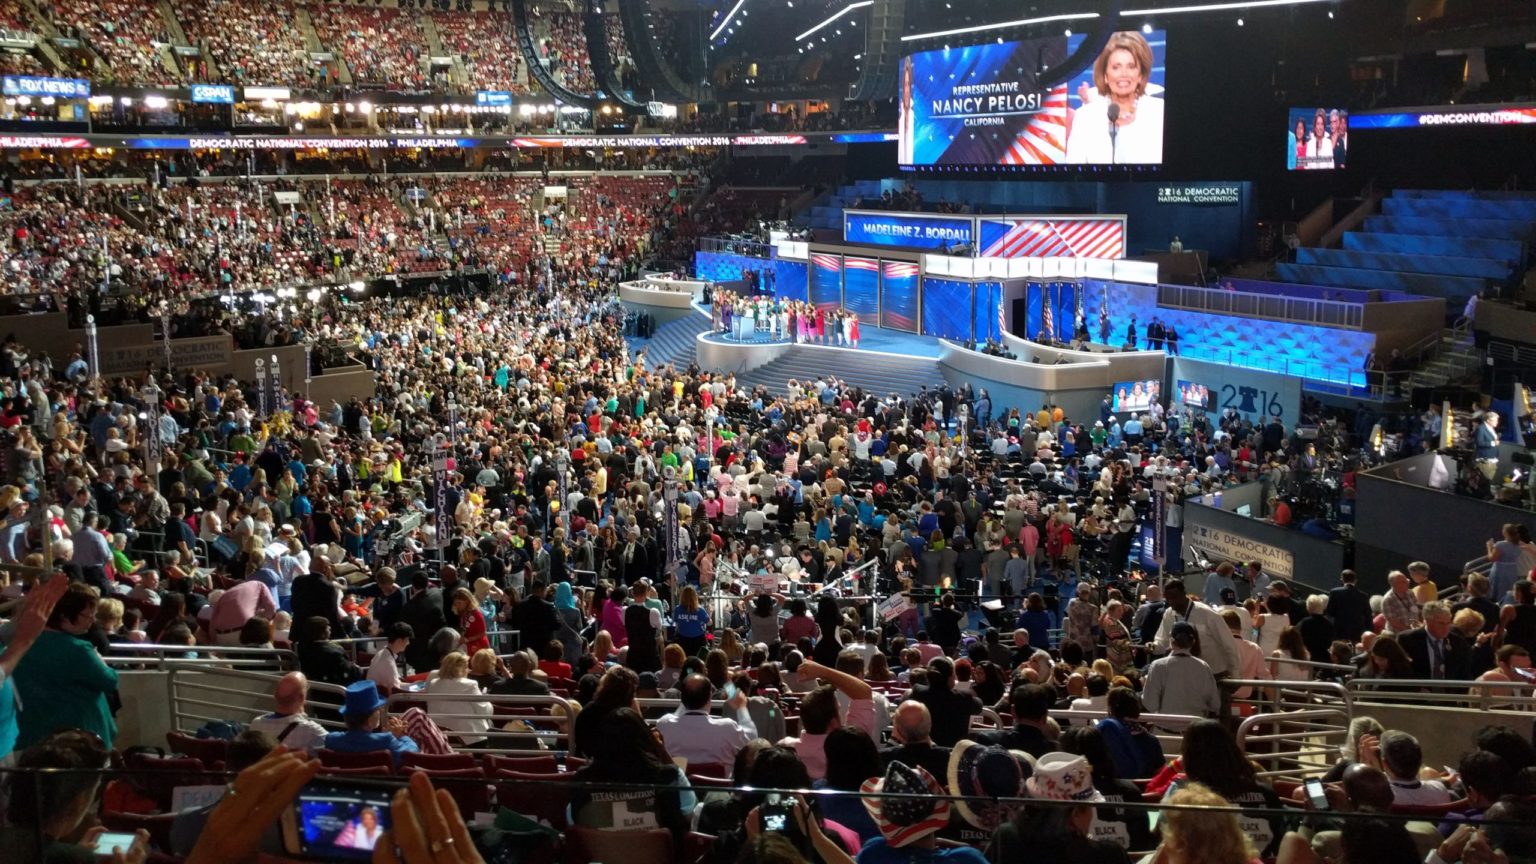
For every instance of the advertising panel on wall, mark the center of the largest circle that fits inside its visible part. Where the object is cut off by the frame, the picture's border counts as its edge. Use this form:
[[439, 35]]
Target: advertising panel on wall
[[861, 287], [947, 309], [1448, 115], [1000, 104], [207, 352], [827, 281], [213, 94], [35, 85], [907, 230], [1256, 395], [1220, 544], [1036, 237], [898, 295]]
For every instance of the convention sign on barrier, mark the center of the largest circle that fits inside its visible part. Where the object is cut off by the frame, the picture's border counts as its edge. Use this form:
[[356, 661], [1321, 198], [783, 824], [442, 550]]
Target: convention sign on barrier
[[207, 352]]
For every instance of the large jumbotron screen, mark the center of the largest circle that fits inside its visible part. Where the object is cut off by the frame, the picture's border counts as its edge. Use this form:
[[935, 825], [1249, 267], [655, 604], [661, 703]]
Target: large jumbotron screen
[[986, 105]]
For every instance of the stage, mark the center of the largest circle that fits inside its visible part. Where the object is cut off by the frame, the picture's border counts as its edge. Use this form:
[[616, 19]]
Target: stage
[[871, 340]]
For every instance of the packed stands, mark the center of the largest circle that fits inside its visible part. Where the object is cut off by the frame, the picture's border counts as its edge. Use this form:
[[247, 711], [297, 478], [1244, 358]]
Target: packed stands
[[251, 43], [381, 47], [227, 236], [21, 63], [14, 17], [484, 44], [126, 34], [613, 28], [563, 49]]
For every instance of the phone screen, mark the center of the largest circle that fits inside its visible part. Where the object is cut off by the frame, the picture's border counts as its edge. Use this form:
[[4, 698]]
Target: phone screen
[[1315, 793], [337, 821], [111, 840]]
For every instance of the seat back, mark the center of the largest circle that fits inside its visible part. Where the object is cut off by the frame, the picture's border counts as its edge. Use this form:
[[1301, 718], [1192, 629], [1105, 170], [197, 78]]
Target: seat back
[[358, 771], [438, 762], [709, 769], [547, 764], [369, 759], [160, 775], [538, 796], [586, 845], [466, 785]]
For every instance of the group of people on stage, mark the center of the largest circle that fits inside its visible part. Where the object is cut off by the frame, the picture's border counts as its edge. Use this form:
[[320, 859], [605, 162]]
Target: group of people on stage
[[1160, 336], [782, 319]]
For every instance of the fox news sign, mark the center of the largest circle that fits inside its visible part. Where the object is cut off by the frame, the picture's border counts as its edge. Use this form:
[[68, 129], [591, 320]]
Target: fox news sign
[[62, 88]]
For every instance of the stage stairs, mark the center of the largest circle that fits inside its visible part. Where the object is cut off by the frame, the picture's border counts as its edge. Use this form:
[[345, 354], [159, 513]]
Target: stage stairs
[[876, 372], [673, 342]]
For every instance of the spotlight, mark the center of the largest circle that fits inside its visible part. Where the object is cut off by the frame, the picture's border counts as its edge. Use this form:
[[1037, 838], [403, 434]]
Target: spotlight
[[1146, 28], [1067, 32], [1239, 22]]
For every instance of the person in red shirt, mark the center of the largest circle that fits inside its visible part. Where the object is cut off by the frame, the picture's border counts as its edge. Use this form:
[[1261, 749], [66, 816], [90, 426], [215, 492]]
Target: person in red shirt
[[553, 663], [471, 621]]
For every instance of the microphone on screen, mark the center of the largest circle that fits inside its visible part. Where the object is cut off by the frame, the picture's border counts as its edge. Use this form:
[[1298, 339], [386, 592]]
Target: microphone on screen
[[1114, 128]]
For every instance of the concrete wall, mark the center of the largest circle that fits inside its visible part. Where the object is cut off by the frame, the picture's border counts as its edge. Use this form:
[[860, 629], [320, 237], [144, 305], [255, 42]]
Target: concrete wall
[[340, 385], [1403, 323]]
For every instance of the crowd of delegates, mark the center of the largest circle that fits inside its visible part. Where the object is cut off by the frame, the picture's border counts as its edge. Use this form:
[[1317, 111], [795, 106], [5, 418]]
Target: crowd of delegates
[[320, 522], [379, 46], [255, 44], [126, 34], [190, 239], [563, 50], [480, 40]]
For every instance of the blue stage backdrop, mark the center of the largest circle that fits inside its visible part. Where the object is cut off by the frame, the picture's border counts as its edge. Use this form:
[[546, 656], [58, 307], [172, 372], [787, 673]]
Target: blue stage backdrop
[[898, 296], [827, 281], [725, 267], [988, 303], [861, 288], [907, 230], [1061, 300], [791, 280], [947, 309]]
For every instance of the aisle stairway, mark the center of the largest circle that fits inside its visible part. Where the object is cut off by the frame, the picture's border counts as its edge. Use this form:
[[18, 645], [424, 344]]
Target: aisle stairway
[[827, 211], [1455, 359], [879, 373], [672, 343]]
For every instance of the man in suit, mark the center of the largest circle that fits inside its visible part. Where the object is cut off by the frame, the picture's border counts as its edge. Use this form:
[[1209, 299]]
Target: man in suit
[[1031, 708], [314, 595], [423, 610], [1437, 653], [322, 660], [951, 711], [911, 727], [1348, 608]]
